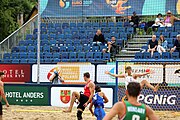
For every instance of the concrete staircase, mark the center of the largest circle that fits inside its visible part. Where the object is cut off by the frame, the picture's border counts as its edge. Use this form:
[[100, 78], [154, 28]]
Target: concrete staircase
[[132, 46]]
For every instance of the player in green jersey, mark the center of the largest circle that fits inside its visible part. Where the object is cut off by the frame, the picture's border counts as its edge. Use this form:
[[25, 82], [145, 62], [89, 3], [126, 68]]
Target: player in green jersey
[[131, 109]]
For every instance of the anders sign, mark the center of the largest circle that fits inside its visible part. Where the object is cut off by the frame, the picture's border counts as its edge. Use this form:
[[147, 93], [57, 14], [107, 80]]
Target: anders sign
[[27, 95]]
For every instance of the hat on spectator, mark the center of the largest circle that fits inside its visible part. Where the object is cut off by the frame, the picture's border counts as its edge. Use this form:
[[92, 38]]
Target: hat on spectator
[[178, 35], [169, 12]]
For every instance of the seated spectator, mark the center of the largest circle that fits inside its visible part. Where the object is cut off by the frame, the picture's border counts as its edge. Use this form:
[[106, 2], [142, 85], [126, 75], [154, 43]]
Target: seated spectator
[[98, 38], [162, 44], [134, 21], [169, 19], [159, 22], [152, 45], [112, 46], [176, 47]]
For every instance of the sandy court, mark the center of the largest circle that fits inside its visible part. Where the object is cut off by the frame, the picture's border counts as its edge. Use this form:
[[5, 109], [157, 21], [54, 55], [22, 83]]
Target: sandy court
[[55, 113]]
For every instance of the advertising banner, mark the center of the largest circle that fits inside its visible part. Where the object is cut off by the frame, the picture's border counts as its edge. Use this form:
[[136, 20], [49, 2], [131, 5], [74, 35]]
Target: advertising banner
[[70, 73], [61, 96], [70, 8], [27, 95], [155, 77], [164, 99], [16, 73], [102, 77], [172, 73]]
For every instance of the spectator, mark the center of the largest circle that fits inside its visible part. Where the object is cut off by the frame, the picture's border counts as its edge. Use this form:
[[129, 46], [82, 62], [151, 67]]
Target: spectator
[[169, 19], [152, 45], [99, 38], [159, 22], [112, 46], [176, 47], [134, 21], [162, 44]]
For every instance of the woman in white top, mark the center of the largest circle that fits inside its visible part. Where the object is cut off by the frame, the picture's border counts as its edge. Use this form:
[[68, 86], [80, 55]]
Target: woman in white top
[[132, 78], [159, 22], [162, 44]]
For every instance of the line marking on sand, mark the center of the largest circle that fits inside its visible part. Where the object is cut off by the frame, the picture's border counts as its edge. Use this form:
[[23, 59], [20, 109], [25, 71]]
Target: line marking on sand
[[45, 111]]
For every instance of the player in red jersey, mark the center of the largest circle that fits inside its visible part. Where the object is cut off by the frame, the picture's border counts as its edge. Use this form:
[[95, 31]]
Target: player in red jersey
[[83, 98]]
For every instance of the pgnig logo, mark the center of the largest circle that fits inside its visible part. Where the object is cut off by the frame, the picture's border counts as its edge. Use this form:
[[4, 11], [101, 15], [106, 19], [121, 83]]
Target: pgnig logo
[[64, 4]]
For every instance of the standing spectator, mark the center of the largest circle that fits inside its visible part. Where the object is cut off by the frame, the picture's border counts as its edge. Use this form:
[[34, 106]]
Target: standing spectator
[[159, 22], [162, 44], [152, 45], [134, 21], [176, 47], [169, 19], [99, 38]]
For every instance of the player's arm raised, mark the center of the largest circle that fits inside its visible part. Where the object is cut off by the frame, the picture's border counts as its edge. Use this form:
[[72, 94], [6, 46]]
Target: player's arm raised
[[150, 114], [114, 111], [3, 94], [92, 88], [115, 75]]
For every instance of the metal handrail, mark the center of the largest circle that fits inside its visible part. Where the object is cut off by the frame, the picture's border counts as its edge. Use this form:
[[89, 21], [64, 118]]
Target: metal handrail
[[18, 29]]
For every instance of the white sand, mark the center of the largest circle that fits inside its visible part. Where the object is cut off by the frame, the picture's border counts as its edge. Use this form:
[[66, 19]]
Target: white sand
[[55, 113]]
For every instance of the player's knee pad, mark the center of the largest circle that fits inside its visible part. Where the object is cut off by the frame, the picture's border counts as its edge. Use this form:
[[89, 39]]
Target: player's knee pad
[[79, 115]]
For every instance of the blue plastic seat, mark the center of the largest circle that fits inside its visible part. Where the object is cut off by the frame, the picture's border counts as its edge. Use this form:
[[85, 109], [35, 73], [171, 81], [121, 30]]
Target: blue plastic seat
[[77, 42], [130, 30], [47, 60], [47, 55], [65, 25], [22, 55], [23, 61], [43, 31], [103, 24], [165, 34], [80, 25], [35, 31], [57, 25], [15, 49], [65, 55], [73, 56], [32, 55], [73, 25], [89, 55], [58, 31], [32, 61], [146, 55], [87, 48], [95, 48], [22, 48], [87, 25], [30, 49], [98, 56], [161, 29], [7, 56], [6, 60], [55, 49], [46, 48], [111, 24], [22, 43], [29, 37], [175, 55], [16, 61], [138, 55], [43, 25], [127, 24], [170, 40], [173, 34], [119, 24], [106, 56], [78, 48], [62, 49], [170, 29], [29, 42], [70, 49], [51, 31], [15, 55], [68, 36], [114, 30], [60, 36], [56, 60], [84, 42], [56, 55], [95, 24], [67, 31], [50, 25], [156, 55], [165, 55], [68, 42], [44, 36], [52, 36], [44, 42], [52, 42]]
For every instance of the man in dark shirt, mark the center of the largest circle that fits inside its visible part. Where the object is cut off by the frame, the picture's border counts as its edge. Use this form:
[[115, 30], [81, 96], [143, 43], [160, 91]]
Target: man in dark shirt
[[135, 21], [99, 38], [112, 46], [176, 47], [152, 45]]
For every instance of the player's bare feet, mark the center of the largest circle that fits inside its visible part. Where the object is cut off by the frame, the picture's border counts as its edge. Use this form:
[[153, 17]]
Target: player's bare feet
[[68, 110], [156, 88]]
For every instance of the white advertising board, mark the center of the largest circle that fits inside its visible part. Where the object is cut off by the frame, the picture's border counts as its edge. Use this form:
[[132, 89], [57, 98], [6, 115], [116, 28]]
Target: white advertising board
[[70, 73], [172, 73], [61, 96]]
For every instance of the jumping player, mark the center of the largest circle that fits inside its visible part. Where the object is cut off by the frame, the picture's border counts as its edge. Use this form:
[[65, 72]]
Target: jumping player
[[98, 101], [132, 78], [2, 93], [131, 109], [84, 99]]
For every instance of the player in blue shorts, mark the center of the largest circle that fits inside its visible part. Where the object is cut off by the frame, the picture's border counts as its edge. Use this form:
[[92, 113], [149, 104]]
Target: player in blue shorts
[[98, 101]]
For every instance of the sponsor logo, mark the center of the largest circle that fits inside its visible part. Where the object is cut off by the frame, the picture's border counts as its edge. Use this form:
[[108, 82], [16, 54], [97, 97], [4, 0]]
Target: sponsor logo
[[16, 73], [65, 96], [67, 72], [158, 99], [64, 4]]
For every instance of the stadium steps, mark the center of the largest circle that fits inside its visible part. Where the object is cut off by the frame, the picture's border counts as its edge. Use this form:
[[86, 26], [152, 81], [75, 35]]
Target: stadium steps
[[133, 45]]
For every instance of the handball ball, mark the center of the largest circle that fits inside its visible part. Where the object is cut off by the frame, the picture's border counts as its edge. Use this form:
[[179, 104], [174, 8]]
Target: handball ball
[[147, 70]]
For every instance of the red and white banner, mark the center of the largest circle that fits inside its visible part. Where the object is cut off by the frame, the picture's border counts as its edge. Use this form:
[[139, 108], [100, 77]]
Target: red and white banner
[[16, 73]]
